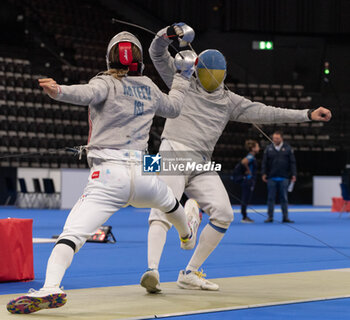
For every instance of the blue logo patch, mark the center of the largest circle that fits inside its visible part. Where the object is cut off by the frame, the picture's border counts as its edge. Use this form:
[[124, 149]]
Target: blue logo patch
[[152, 163]]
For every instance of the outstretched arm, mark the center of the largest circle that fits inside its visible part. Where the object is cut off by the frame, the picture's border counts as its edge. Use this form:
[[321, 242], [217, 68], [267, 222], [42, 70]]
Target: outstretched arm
[[161, 58], [244, 110], [94, 92]]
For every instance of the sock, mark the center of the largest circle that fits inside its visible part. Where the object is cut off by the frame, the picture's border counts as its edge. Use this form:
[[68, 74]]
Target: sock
[[156, 240], [208, 241], [59, 261], [179, 220]]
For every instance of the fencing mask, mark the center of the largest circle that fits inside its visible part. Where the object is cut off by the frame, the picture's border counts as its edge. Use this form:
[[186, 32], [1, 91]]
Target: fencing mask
[[211, 69], [120, 52]]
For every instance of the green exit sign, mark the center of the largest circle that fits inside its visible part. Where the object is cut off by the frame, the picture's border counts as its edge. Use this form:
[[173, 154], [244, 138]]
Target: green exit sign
[[262, 45]]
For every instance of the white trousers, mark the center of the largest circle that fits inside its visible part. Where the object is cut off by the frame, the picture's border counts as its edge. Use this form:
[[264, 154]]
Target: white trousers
[[112, 186], [207, 189]]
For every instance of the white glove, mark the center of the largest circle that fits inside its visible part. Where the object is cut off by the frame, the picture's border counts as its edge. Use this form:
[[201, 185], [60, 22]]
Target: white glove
[[185, 61], [183, 32]]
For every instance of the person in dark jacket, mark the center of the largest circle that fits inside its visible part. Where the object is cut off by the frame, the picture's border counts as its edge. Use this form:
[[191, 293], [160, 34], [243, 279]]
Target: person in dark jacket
[[249, 178], [278, 169]]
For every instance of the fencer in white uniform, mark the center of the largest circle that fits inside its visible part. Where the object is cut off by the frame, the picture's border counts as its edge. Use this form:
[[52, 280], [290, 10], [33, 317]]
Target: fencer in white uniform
[[208, 106], [122, 104]]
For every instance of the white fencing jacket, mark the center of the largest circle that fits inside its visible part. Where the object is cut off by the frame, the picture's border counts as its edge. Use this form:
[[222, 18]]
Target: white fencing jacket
[[204, 115]]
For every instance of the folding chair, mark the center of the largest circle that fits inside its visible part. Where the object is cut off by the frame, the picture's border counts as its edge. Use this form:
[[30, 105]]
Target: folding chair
[[11, 191], [39, 200], [52, 197], [24, 199]]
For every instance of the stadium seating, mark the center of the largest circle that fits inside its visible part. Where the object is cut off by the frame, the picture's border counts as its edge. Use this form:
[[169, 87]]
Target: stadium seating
[[31, 122]]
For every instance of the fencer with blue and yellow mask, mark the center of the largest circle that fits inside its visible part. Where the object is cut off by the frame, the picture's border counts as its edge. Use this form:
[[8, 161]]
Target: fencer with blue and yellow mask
[[211, 69]]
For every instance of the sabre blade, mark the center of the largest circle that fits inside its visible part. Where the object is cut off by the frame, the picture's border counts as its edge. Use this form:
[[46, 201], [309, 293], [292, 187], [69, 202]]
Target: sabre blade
[[145, 29]]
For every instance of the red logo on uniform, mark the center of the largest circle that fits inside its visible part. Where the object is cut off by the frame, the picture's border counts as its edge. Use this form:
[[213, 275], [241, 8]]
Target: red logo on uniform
[[95, 175]]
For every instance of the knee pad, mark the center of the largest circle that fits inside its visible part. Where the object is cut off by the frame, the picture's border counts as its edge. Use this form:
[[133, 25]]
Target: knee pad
[[220, 224], [175, 207], [217, 228], [73, 241], [222, 217], [67, 242]]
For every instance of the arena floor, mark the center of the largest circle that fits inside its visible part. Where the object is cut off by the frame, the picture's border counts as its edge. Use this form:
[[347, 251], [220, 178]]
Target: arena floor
[[264, 271]]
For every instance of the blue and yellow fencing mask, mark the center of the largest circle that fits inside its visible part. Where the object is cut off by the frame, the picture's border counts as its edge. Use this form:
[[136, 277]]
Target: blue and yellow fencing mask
[[211, 69]]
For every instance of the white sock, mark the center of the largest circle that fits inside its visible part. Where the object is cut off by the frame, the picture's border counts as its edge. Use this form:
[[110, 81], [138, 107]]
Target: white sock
[[59, 261], [208, 241], [179, 220], [156, 240]]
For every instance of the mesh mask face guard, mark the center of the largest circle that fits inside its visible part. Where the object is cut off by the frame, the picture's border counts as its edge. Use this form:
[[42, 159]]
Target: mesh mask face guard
[[211, 69]]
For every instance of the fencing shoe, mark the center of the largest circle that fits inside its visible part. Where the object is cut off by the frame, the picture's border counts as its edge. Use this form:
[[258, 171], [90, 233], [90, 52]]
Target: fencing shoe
[[195, 280], [194, 219], [150, 281], [45, 298]]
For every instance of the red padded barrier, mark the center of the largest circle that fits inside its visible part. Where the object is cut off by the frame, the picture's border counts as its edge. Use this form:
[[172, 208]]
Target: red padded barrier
[[16, 250], [338, 205]]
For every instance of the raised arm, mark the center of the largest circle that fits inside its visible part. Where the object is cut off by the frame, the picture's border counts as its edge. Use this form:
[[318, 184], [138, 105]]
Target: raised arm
[[94, 92], [244, 110], [158, 50], [161, 58]]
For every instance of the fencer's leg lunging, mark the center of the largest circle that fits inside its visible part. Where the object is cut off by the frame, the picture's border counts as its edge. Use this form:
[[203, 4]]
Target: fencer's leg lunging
[[81, 223], [191, 278], [60, 259]]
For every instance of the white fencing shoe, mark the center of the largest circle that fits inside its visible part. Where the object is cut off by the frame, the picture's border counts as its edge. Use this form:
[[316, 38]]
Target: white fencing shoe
[[195, 280], [45, 298], [150, 281], [194, 219]]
